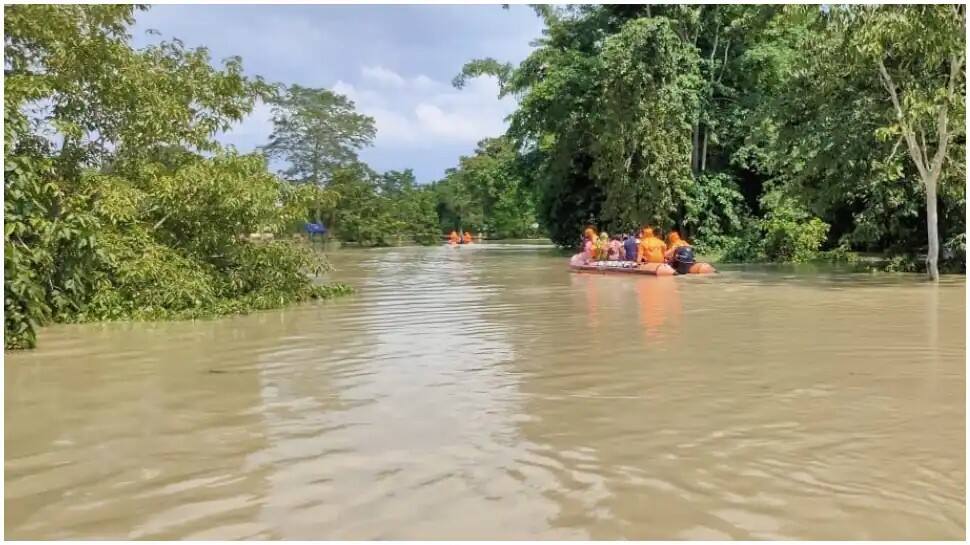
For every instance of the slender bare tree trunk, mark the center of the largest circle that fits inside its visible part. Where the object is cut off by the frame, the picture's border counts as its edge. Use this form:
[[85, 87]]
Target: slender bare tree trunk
[[929, 170], [704, 150], [695, 148], [932, 234]]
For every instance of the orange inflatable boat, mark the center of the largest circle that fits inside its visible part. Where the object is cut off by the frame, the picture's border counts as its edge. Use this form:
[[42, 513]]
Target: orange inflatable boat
[[629, 267]]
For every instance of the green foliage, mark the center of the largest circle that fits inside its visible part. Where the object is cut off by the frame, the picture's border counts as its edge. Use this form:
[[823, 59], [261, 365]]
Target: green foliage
[[902, 263], [650, 92], [713, 208], [381, 210], [121, 216], [688, 116], [316, 131], [791, 240], [878, 144], [748, 246], [489, 192]]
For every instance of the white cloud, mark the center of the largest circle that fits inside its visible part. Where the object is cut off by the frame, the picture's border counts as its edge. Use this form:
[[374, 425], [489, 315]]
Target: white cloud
[[423, 82], [393, 128], [383, 76], [358, 96], [420, 112], [253, 131]]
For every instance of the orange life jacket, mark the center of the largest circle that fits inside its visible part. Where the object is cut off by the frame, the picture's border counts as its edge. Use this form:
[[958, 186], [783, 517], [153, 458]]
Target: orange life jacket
[[652, 249]]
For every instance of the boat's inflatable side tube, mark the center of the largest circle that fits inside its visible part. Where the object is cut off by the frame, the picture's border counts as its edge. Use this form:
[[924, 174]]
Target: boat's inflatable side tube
[[577, 263]]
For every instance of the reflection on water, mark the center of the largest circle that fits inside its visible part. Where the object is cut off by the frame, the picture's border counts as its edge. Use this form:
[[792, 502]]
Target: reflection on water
[[486, 392]]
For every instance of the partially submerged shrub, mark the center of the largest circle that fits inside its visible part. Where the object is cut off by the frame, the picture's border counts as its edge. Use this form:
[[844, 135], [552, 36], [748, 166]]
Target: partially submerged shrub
[[790, 240]]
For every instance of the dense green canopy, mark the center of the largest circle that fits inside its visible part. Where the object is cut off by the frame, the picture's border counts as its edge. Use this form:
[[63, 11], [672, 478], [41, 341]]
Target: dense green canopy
[[118, 202], [760, 131]]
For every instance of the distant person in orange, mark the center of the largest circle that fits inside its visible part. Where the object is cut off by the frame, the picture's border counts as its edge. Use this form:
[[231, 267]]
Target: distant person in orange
[[652, 249], [453, 238], [467, 239]]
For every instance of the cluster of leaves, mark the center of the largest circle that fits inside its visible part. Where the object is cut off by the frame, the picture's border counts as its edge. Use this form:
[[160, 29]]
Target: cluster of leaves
[[610, 106], [111, 209], [382, 210], [489, 192], [786, 233]]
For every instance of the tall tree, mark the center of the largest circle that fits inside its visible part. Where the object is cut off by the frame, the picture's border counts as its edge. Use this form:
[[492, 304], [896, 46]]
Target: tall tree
[[919, 53], [316, 131]]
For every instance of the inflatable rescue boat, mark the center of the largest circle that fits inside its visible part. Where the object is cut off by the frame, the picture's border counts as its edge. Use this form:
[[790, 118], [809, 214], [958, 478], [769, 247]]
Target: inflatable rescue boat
[[631, 267]]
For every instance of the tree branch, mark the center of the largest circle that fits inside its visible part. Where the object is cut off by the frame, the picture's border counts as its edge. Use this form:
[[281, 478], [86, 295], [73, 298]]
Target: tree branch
[[161, 221], [914, 150], [724, 64], [942, 129], [922, 148]]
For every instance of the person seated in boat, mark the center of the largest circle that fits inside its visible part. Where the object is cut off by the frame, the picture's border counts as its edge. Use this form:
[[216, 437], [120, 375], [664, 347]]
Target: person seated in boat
[[682, 259], [673, 242], [651, 249], [614, 251], [589, 245], [453, 238], [630, 244], [680, 256], [467, 239], [600, 246]]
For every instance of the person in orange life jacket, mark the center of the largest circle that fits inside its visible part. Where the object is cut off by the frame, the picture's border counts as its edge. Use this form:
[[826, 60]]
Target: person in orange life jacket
[[651, 249], [680, 255]]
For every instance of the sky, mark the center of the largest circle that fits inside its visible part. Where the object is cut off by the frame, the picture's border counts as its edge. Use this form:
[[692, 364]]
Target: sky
[[395, 62]]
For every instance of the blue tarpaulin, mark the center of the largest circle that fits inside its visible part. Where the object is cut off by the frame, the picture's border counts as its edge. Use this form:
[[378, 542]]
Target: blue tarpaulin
[[315, 229]]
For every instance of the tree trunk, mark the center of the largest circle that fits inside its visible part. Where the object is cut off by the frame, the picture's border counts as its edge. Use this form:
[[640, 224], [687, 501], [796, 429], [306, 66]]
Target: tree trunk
[[933, 252], [704, 151], [695, 148], [929, 171]]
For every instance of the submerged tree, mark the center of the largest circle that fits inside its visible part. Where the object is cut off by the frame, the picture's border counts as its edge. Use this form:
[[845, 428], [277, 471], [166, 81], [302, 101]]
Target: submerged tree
[[919, 52]]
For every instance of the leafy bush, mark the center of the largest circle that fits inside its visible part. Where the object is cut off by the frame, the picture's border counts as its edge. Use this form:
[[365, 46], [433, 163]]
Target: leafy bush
[[747, 247], [793, 241], [714, 210], [955, 254], [841, 254]]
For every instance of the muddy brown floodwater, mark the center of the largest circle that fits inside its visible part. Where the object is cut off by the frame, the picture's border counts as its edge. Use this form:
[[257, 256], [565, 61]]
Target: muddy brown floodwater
[[487, 392]]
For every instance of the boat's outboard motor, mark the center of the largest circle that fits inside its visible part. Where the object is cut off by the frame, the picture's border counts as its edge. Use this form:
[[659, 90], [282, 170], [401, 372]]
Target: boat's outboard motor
[[683, 259]]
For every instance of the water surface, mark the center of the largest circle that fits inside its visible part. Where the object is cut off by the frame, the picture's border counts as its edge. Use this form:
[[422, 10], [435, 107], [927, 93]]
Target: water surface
[[486, 392]]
